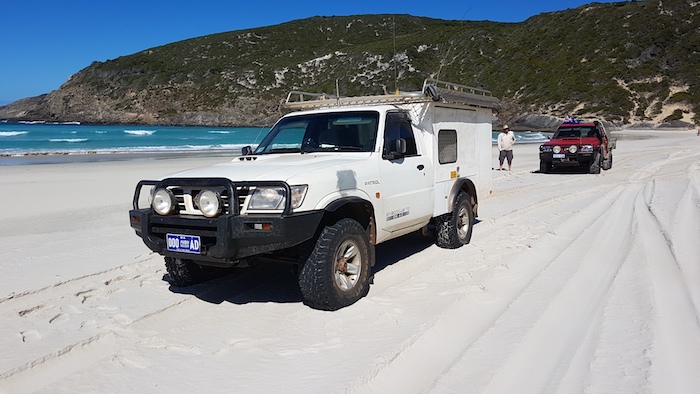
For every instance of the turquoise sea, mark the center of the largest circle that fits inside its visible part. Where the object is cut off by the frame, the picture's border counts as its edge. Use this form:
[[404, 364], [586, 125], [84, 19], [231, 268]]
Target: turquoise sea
[[34, 138]]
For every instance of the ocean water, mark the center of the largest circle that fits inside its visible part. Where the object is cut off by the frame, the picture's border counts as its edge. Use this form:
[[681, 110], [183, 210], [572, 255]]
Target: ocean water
[[40, 138], [526, 137], [17, 139]]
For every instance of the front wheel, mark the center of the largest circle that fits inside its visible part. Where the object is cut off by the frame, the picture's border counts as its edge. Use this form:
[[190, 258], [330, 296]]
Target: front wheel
[[185, 272], [607, 164], [455, 229], [336, 273], [545, 166], [595, 164]]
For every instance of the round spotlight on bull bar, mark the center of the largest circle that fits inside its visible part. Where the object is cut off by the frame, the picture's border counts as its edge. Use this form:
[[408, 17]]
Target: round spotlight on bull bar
[[163, 202], [209, 202], [573, 148], [556, 149]]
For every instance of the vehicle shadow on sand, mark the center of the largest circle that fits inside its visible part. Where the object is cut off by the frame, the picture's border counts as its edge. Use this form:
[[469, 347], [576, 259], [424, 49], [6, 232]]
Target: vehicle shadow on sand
[[563, 171], [277, 282]]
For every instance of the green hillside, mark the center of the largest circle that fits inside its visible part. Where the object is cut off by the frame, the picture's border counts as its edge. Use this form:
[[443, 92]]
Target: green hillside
[[626, 62]]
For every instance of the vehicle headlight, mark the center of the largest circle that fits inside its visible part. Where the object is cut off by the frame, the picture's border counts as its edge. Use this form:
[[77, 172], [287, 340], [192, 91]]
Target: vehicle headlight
[[587, 148], [274, 197], [545, 148], [209, 202], [163, 201], [556, 149], [573, 148], [266, 198]]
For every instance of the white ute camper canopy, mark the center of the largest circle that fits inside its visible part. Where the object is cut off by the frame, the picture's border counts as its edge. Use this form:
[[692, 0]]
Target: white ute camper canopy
[[327, 185], [439, 106]]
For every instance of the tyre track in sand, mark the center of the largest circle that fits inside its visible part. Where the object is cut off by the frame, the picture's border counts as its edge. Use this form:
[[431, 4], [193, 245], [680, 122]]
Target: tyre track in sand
[[74, 312], [553, 315], [477, 310], [677, 339], [600, 267], [85, 321], [469, 273]]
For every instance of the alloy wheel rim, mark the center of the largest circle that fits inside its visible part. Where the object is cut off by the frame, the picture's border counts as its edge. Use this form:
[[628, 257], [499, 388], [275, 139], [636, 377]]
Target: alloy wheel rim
[[348, 265], [462, 222]]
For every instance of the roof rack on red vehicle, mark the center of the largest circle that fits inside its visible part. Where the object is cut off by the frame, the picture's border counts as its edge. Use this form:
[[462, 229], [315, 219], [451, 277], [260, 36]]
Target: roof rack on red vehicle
[[570, 120]]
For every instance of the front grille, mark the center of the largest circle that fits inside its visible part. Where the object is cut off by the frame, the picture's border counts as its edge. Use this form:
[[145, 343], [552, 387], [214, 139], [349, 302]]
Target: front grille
[[186, 197], [186, 190], [243, 192]]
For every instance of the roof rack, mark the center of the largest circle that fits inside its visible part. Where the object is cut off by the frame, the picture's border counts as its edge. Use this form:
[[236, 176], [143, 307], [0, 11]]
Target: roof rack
[[433, 90], [459, 94]]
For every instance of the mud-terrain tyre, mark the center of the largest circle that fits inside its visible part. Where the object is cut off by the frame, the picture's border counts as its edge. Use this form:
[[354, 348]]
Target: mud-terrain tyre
[[595, 164], [455, 228], [337, 272], [185, 272], [545, 166], [607, 164]]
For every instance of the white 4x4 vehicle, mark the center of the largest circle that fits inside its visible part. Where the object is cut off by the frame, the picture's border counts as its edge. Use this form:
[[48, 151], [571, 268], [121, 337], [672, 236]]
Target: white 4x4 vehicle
[[325, 186]]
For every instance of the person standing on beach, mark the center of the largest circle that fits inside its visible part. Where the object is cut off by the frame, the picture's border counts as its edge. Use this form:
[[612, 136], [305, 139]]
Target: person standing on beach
[[505, 147]]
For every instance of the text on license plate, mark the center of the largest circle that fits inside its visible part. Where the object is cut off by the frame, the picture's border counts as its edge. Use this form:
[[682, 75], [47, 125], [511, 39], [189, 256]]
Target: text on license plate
[[558, 155], [183, 243]]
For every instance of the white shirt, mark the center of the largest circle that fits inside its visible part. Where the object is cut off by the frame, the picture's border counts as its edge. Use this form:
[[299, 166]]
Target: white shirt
[[506, 140]]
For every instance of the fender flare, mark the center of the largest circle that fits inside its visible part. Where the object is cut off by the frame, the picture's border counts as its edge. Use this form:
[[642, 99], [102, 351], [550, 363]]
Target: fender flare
[[467, 186], [333, 206]]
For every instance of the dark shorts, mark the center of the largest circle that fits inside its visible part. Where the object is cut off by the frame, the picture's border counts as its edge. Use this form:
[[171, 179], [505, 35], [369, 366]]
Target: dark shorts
[[505, 154]]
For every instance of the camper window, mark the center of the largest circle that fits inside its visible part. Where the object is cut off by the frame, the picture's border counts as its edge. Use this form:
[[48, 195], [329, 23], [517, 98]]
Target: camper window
[[447, 146]]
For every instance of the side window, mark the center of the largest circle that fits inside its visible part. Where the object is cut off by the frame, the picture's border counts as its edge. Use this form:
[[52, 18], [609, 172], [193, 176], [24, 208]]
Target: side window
[[447, 146], [398, 125], [601, 133]]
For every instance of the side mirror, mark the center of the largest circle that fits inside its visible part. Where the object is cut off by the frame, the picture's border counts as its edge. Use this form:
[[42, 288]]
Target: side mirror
[[395, 149], [247, 150], [400, 146]]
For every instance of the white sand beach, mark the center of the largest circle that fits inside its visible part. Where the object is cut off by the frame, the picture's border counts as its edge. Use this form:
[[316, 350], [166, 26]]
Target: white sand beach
[[572, 283]]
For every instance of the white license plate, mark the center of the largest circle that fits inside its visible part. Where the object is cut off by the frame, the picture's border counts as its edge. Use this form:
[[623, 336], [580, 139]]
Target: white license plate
[[183, 243], [558, 155]]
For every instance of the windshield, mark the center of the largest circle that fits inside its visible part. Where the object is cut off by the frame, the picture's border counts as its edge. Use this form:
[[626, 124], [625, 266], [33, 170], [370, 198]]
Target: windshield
[[575, 133], [338, 131]]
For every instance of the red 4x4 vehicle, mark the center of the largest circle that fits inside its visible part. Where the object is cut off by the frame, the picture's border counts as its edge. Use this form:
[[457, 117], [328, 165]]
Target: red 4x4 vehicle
[[578, 144]]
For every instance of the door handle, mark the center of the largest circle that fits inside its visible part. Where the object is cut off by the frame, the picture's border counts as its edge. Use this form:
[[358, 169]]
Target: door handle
[[420, 167]]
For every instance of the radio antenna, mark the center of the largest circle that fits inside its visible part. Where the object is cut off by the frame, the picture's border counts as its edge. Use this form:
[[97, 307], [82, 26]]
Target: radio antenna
[[452, 43], [337, 92], [393, 33]]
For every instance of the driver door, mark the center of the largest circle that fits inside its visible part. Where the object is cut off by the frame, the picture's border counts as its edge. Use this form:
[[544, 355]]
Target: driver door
[[406, 177]]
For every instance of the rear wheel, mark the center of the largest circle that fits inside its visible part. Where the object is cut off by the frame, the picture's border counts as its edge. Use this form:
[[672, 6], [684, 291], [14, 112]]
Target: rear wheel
[[455, 229], [336, 273]]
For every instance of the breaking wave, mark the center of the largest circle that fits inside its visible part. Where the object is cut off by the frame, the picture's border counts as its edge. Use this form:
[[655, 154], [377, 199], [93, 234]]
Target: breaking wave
[[140, 132], [70, 140]]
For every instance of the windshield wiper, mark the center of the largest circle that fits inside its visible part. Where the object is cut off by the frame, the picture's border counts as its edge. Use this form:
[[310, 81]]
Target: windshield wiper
[[333, 148], [351, 148], [282, 150]]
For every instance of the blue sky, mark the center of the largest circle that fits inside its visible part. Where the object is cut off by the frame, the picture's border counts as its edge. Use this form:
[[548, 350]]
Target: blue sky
[[43, 42]]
